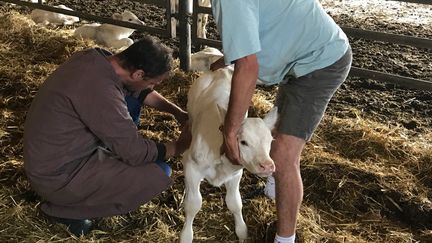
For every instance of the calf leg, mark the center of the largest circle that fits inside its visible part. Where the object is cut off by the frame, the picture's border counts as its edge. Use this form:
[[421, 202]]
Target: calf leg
[[201, 26], [234, 204], [193, 200]]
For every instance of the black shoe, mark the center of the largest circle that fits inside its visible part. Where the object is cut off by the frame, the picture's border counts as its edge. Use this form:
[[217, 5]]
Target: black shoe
[[77, 227]]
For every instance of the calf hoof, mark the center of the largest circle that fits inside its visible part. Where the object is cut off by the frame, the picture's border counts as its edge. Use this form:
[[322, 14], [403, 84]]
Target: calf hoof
[[241, 232]]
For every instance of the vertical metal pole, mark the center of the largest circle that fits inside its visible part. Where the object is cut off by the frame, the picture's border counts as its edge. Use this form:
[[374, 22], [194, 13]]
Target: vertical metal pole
[[185, 12], [194, 24]]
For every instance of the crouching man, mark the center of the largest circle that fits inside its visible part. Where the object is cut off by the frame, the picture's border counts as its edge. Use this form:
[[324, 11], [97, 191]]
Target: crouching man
[[82, 152]]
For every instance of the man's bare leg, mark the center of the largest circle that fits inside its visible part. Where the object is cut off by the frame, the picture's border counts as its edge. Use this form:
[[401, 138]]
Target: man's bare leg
[[286, 151]]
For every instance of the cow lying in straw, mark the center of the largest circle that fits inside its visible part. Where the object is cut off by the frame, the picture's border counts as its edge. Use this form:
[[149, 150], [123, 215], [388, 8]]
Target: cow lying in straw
[[110, 35], [207, 103], [43, 17]]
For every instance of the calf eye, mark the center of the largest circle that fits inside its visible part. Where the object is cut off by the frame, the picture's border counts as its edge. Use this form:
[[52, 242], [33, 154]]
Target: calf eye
[[243, 142]]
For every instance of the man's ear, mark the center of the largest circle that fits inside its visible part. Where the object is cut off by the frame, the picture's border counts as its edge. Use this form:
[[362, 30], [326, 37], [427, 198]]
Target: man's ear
[[138, 74]]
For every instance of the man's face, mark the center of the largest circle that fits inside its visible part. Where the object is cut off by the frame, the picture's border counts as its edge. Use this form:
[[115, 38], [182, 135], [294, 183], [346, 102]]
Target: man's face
[[138, 81]]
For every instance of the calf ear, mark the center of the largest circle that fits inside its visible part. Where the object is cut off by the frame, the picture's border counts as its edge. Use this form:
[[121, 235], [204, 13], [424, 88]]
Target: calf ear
[[117, 16], [271, 118]]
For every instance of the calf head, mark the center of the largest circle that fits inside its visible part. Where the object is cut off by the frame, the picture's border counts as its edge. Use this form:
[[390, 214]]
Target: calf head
[[127, 16], [68, 19], [201, 61], [255, 140]]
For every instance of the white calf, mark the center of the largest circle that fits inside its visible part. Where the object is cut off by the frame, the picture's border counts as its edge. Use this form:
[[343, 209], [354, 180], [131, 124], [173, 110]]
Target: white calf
[[32, 1], [43, 17], [110, 35], [207, 102], [202, 18], [201, 61]]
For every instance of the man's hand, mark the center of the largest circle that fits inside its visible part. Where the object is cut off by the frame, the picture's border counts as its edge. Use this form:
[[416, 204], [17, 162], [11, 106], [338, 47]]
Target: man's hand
[[175, 148], [185, 139], [182, 117], [220, 63], [230, 148]]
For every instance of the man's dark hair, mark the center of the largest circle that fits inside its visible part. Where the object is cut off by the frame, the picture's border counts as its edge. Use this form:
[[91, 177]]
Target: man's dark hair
[[149, 55]]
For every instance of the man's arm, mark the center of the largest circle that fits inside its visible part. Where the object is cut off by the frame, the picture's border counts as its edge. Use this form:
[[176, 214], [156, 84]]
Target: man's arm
[[220, 63], [157, 101], [242, 88], [175, 148]]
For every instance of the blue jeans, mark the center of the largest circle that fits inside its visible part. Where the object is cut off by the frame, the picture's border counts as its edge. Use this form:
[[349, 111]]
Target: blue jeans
[[165, 167], [134, 107], [134, 104]]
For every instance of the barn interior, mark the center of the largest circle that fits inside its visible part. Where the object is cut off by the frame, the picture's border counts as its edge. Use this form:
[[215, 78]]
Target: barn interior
[[367, 172]]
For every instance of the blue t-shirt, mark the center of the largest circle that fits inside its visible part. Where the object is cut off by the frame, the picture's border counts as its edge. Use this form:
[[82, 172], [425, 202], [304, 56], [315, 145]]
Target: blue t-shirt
[[292, 37]]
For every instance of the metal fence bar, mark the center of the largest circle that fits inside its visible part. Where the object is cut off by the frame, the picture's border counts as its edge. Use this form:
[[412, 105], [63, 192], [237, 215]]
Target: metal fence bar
[[159, 3], [201, 9], [415, 1], [391, 78], [210, 42], [386, 37]]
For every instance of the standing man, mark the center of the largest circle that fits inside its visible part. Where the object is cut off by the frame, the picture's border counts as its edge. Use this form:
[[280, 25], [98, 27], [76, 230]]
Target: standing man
[[82, 151], [294, 44]]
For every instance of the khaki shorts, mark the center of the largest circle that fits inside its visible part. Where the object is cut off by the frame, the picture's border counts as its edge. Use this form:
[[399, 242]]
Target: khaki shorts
[[302, 101]]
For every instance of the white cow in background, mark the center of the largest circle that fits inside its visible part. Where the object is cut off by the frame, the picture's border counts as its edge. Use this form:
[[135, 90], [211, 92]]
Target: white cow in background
[[32, 1], [207, 103], [110, 35], [202, 19], [43, 17]]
